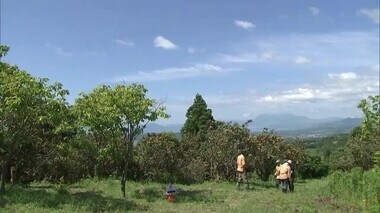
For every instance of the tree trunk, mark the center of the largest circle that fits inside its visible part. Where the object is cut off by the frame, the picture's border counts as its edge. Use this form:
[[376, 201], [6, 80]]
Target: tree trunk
[[123, 181], [3, 174], [13, 173], [96, 174]]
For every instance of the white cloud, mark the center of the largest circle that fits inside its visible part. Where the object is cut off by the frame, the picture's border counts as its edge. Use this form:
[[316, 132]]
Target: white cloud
[[190, 50], [59, 50], [302, 60], [343, 49], [346, 87], [164, 43], [173, 73], [244, 24], [266, 55], [123, 42], [372, 14], [247, 115], [337, 95], [343, 76], [246, 57], [314, 11]]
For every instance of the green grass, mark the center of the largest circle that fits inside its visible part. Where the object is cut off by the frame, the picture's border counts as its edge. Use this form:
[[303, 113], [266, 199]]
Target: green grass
[[104, 196]]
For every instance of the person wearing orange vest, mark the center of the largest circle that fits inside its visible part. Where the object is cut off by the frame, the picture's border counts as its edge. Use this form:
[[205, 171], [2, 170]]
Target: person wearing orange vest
[[284, 175], [241, 172]]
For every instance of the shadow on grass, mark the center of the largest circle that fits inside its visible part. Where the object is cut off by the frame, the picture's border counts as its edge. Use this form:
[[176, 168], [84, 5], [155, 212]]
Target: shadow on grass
[[153, 194], [184, 196], [91, 201], [263, 184], [150, 194]]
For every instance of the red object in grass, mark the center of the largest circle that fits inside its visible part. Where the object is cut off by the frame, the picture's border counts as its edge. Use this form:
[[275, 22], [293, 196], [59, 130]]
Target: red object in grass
[[170, 198]]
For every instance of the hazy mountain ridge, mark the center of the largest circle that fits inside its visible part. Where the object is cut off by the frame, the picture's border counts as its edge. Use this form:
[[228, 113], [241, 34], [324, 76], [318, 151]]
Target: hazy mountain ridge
[[284, 124]]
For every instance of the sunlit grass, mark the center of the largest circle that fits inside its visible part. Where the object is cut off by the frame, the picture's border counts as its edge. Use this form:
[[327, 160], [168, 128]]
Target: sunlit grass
[[104, 196]]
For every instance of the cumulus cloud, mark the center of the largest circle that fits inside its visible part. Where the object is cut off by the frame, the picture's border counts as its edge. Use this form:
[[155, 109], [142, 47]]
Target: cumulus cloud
[[123, 42], [244, 24], [338, 87], [343, 76], [164, 43], [372, 14], [314, 11], [173, 73], [302, 60]]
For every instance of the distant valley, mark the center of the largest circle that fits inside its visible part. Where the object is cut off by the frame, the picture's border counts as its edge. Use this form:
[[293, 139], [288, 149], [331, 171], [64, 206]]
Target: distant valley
[[284, 124]]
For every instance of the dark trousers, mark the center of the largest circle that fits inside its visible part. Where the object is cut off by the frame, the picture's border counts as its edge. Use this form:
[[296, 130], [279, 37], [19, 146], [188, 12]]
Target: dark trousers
[[291, 184], [242, 177], [284, 185], [277, 182]]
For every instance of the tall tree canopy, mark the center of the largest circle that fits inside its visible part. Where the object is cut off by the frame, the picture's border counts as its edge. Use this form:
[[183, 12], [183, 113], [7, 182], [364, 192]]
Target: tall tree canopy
[[122, 112], [29, 108], [199, 117]]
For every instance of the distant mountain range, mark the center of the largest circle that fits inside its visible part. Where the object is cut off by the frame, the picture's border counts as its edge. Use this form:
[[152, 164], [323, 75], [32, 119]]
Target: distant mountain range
[[285, 124]]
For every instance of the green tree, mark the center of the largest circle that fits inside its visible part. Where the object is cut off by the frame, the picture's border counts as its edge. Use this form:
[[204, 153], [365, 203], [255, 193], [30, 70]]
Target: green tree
[[371, 109], [365, 142], [119, 112], [198, 117], [29, 108]]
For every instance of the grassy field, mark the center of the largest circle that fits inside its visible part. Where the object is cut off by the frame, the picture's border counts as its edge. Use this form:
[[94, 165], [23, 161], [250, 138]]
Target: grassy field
[[105, 196]]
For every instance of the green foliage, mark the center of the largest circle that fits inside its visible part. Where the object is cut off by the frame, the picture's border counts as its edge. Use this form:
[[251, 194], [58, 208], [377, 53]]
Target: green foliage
[[213, 156], [113, 113], [358, 187], [371, 110], [32, 113], [157, 156], [376, 159], [3, 51], [221, 150], [312, 167], [198, 117], [267, 147], [365, 142]]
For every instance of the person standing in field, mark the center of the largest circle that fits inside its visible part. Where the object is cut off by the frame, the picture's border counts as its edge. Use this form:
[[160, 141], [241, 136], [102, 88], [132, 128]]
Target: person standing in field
[[291, 178], [284, 176], [241, 172], [277, 174]]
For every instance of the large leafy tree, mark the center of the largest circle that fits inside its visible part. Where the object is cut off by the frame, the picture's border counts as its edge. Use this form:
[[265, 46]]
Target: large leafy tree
[[199, 117], [365, 142], [29, 108], [118, 112]]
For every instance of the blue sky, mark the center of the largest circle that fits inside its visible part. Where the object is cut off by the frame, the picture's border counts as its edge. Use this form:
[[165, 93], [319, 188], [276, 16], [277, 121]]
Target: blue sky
[[246, 58]]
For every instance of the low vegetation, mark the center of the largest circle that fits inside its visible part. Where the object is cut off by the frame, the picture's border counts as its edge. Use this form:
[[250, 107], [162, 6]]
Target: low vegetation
[[324, 195]]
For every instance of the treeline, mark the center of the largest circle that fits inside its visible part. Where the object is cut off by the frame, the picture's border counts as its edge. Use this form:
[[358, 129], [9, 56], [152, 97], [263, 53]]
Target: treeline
[[42, 137]]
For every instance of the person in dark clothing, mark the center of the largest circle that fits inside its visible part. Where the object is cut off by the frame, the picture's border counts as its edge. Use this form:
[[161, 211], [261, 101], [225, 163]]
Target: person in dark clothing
[[291, 178]]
